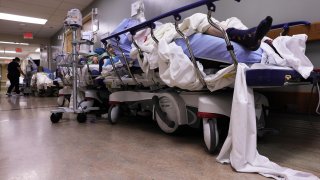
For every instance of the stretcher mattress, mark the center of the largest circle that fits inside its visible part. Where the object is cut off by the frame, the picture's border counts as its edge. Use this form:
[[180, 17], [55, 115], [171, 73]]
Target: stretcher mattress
[[276, 77]]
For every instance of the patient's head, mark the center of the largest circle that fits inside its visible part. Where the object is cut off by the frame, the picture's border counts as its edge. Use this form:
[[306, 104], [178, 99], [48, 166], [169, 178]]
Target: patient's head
[[110, 49], [95, 60]]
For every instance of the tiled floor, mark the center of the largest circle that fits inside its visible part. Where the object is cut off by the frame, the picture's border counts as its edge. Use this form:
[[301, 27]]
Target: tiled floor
[[33, 148]]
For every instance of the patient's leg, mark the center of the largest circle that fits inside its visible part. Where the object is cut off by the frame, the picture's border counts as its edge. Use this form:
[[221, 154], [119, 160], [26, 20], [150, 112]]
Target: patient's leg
[[250, 38]]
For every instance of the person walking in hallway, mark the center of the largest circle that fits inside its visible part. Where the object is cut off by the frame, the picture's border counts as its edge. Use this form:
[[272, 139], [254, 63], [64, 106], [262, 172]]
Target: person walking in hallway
[[14, 72]]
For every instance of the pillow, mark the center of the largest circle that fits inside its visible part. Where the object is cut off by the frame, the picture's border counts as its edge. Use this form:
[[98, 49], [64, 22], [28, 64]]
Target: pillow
[[210, 47]]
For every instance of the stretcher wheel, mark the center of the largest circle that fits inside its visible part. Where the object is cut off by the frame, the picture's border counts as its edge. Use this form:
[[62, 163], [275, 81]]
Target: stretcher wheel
[[114, 113], [163, 126], [82, 117], [55, 117], [210, 134], [61, 101]]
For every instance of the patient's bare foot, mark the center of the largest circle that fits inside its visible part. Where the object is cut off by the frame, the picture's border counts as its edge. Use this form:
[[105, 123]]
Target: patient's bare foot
[[251, 38]]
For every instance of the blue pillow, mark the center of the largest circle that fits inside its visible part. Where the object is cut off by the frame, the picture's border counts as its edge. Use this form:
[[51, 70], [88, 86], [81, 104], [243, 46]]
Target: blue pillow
[[99, 51], [115, 59], [210, 47]]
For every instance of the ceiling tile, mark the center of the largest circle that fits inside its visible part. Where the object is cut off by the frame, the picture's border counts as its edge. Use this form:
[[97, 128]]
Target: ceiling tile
[[81, 2], [27, 9], [41, 3], [67, 6]]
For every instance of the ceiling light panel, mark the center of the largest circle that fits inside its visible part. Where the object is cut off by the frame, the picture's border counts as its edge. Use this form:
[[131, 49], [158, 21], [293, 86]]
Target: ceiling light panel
[[9, 52], [6, 42], [18, 18], [6, 57]]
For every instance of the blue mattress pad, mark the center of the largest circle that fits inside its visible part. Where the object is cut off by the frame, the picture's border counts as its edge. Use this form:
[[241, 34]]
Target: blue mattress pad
[[277, 77]]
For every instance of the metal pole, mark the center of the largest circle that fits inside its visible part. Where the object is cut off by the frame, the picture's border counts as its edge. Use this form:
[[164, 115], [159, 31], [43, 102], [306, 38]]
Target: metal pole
[[126, 61], [225, 35], [74, 67], [193, 59]]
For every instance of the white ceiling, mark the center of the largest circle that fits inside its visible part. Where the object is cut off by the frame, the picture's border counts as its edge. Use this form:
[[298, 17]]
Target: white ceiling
[[53, 10]]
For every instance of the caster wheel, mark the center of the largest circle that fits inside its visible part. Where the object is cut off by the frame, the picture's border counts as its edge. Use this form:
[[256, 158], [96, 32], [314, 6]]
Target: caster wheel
[[55, 117], [171, 114], [82, 118], [114, 113], [164, 127], [60, 101], [210, 134]]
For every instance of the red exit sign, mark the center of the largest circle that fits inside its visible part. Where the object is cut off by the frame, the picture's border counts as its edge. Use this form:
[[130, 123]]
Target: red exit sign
[[18, 50], [28, 35]]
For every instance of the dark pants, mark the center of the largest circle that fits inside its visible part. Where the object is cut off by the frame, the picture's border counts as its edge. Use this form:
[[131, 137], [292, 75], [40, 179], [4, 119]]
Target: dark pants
[[14, 83]]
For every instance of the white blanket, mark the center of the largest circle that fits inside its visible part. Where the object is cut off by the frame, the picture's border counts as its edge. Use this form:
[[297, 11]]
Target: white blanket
[[240, 147], [85, 77], [292, 49], [41, 80]]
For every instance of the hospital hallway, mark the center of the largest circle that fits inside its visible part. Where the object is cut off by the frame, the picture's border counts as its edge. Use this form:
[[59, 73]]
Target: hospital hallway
[[31, 147]]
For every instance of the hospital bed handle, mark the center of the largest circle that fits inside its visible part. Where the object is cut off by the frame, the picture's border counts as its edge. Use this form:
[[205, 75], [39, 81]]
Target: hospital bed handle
[[138, 48], [141, 54], [152, 27], [211, 8], [114, 67], [125, 59], [177, 18]]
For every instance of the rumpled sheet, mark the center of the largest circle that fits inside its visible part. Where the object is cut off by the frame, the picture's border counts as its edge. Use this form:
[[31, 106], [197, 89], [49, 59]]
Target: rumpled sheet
[[41, 80], [85, 76], [240, 147], [292, 50]]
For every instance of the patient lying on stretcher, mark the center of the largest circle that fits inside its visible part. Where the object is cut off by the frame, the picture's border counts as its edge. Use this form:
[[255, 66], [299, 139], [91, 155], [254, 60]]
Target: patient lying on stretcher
[[40, 80], [107, 61]]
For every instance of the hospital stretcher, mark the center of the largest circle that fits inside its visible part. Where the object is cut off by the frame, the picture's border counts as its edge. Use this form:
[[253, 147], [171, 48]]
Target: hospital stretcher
[[172, 107]]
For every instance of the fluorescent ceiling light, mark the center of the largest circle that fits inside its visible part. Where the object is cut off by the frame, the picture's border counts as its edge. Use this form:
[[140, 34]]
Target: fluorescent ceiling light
[[5, 52], [26, 19], [37, 50], [5, 42], [7, 57]]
